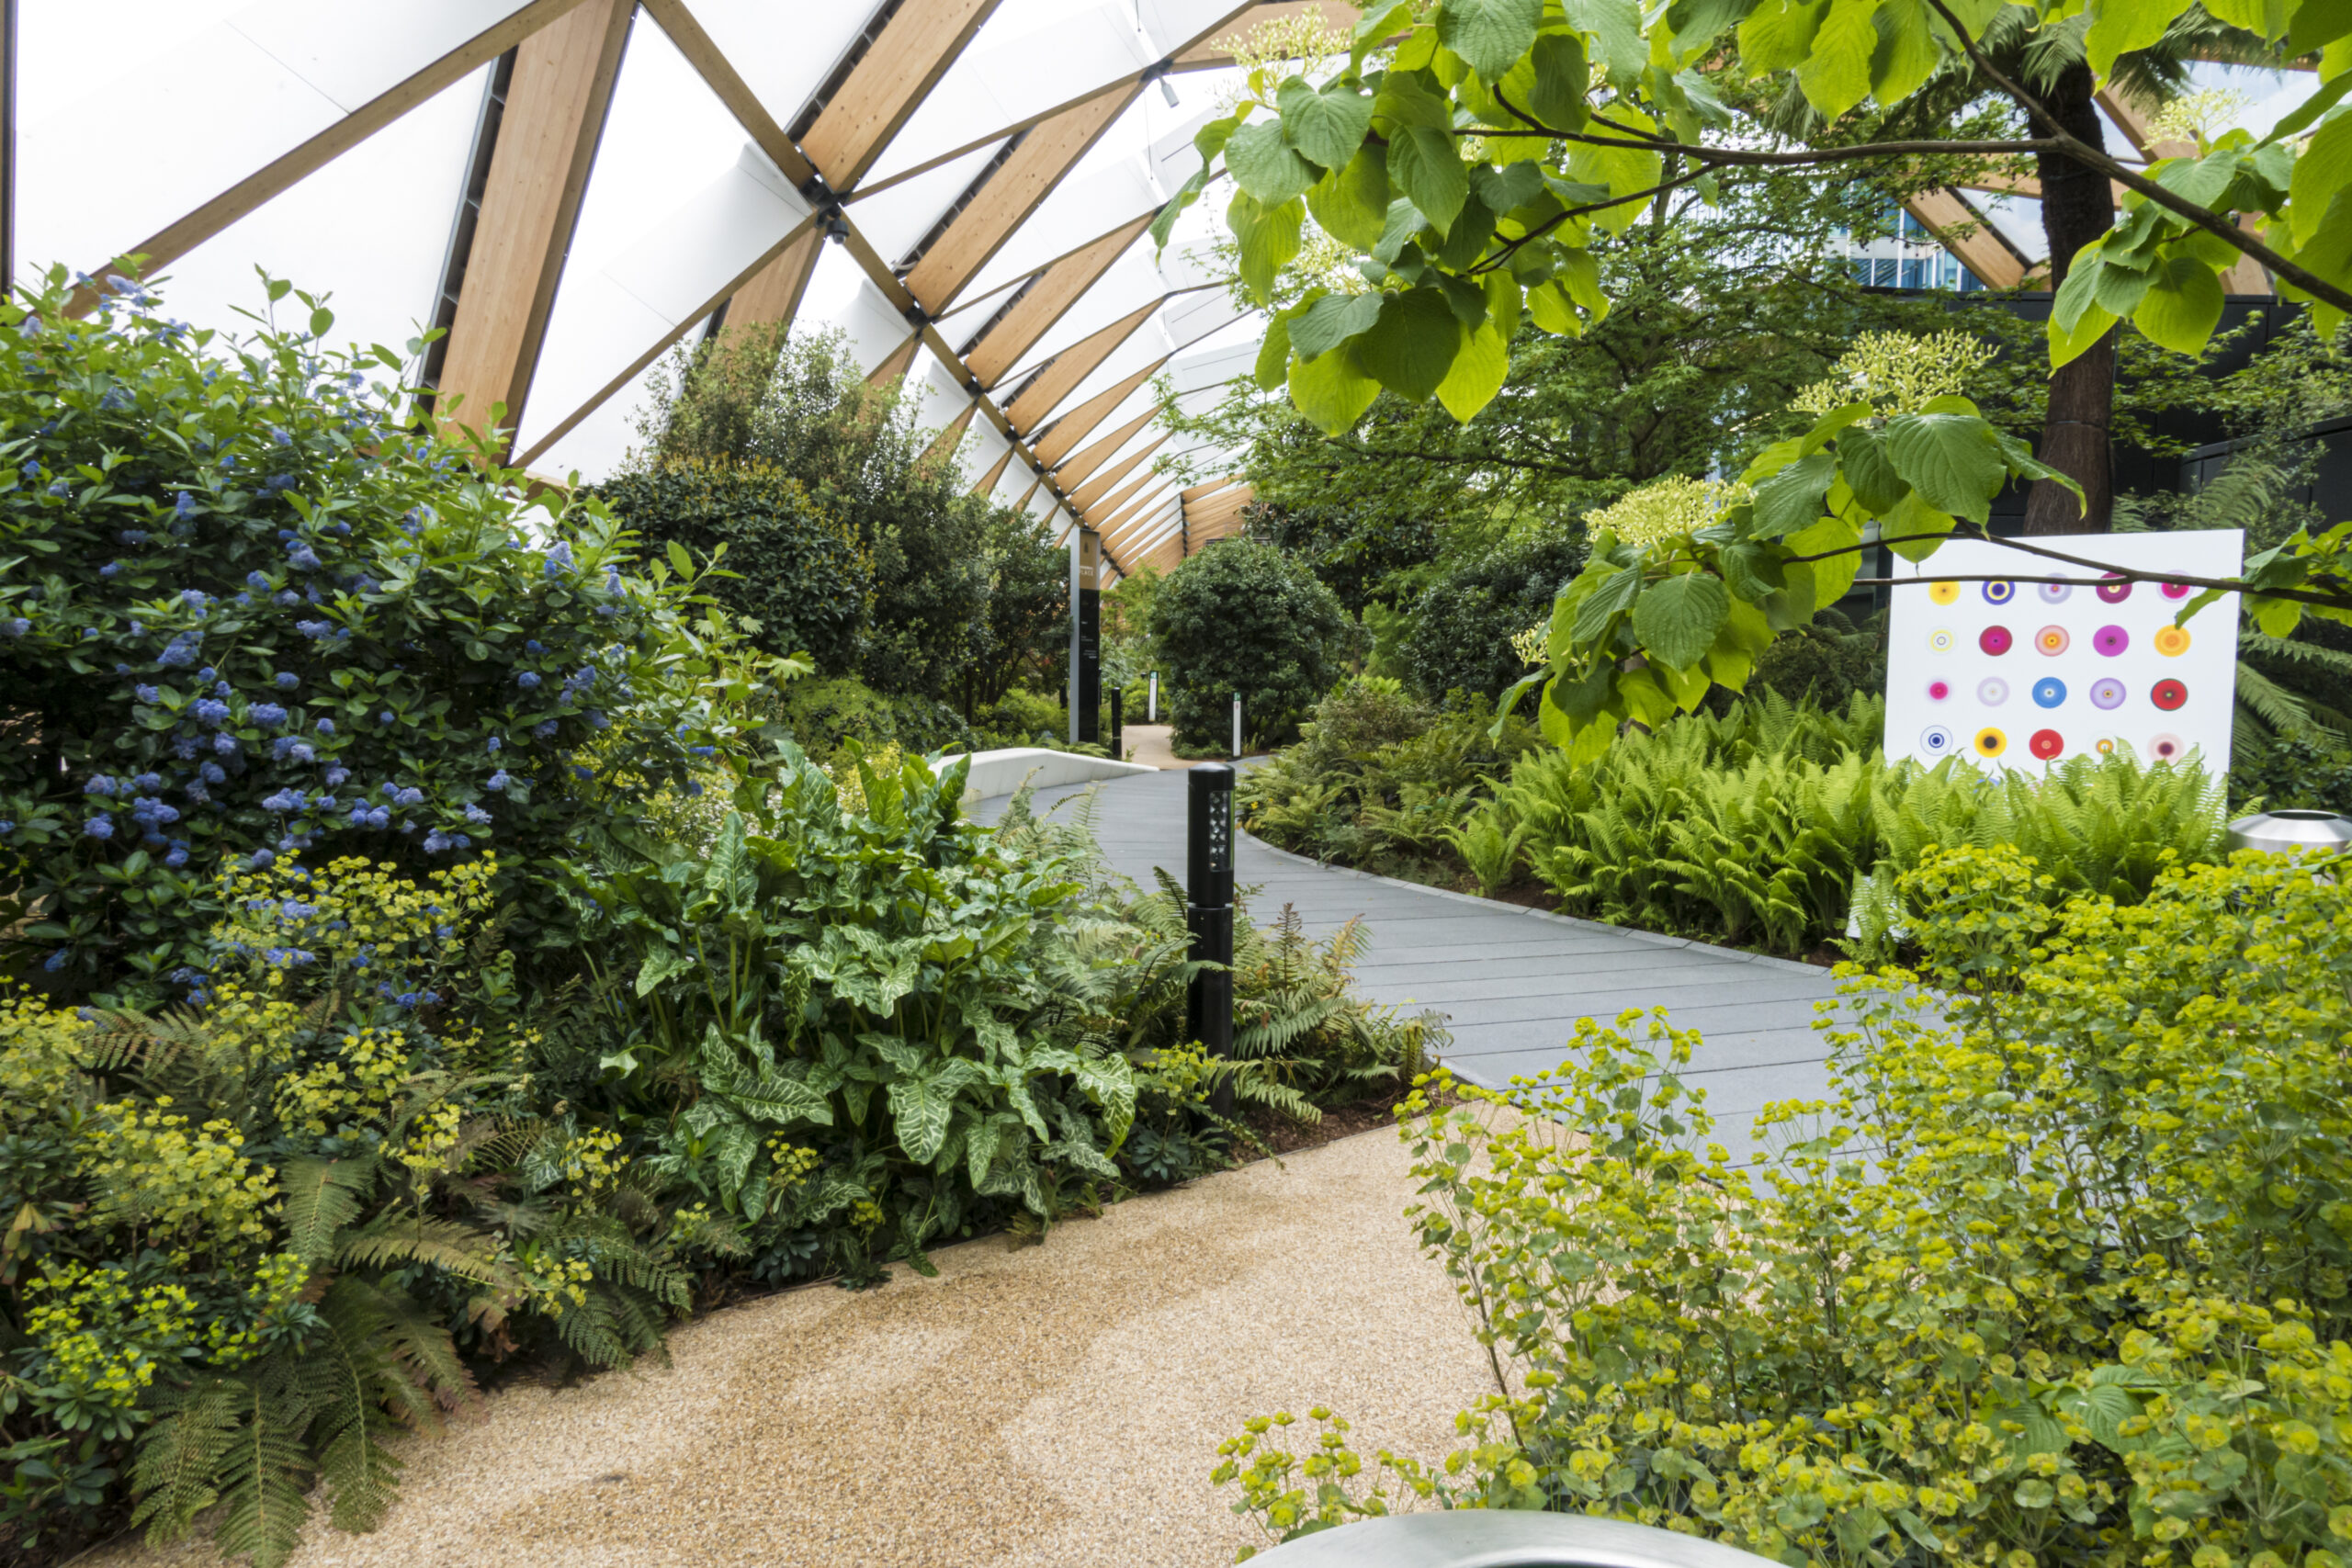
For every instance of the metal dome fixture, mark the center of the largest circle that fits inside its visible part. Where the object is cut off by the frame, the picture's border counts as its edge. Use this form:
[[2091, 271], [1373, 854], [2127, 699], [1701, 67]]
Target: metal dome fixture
[[1494, 1538], [2292, 830]]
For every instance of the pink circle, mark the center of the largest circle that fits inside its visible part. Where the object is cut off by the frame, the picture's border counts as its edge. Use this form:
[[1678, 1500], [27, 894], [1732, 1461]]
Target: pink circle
[[2110, 640], [1939, 690], [2176, 591], [2115, 593], [1995, 640]]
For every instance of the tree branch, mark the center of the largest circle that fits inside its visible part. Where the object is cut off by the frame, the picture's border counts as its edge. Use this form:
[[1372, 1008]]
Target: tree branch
[[2070, 146], [2108, 573]]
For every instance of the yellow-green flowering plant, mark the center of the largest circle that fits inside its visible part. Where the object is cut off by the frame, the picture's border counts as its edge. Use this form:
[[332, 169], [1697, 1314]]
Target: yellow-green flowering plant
[[2057, 1275], [251, 1237]]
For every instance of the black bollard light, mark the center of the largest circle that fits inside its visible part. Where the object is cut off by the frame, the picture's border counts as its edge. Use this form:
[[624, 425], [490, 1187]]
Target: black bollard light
[[1118, 751], [1208, 915]]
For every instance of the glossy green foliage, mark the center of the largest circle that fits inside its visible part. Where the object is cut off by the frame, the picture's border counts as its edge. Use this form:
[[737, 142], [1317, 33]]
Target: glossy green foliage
[[802, 579], [246, 613], [1464, 622], [1243, 616], [2057, 1276], [866, 983]]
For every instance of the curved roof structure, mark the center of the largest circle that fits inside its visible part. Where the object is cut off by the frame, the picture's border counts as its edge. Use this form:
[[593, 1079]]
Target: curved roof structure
[[571, 188]]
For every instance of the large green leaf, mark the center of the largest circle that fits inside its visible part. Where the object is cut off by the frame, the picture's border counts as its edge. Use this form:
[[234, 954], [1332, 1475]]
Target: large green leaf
[[1331, 392], [1427, 167], [920, 1111], [1615, 27], [1952, 460], [1273, 356], [1612, 591], [1490, 35], [1835, 74], [1791, 499], [2119, 27], [2322, 169], [1412, 345], [1328, 125], [1868, 470], [1352, 204], [1332, 319], [2182, 307], [1265, 165], [1553, 82], [1479, 367], [1269, 238], [1675, 620], [1906, 54], [1377, 25], [1778, 35], [1834, 573]]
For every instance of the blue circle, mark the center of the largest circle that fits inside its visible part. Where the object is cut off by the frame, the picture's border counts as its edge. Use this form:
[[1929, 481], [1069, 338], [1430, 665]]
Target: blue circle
[[1936, 742], [2000, 592], [2049, 692]]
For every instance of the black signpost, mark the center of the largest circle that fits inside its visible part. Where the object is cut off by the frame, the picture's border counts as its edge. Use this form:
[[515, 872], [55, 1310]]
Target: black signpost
[[1118, 752], [1208, 915], [1085, 636]]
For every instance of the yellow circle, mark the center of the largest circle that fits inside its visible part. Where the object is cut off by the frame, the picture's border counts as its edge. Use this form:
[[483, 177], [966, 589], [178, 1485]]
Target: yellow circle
[[1991, 742], [2171, 641], [2106, 748], [1943, 592]]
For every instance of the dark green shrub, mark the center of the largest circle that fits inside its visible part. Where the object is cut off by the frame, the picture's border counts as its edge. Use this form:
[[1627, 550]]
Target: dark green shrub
[[822, 715], [2299, 768], [803, 581], [249, 615], [1242, 616], [1826, 661], [1463, 624]]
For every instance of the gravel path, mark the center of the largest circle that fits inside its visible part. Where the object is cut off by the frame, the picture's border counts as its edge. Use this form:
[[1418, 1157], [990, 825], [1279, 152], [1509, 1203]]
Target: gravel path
[[1047, 1406]]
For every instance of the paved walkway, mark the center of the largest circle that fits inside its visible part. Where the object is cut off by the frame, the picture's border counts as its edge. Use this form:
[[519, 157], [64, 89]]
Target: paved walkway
[[1511, 982]]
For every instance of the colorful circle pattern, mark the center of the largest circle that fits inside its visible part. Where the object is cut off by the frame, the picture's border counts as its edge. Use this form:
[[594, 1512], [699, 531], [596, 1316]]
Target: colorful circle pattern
[[1941, 640], [2176, 591], [1991, 691], [2108, 641], [2000, 592], [2049, 692], [1942, 593], [2106, 692], [2167, 746], [2056, 593], [1995, 640], [1936, 742], [2115, 593], [1991, 742], [2051, 641], [2171, 641], [2169, 694], [2046, 744], [1938, 691]]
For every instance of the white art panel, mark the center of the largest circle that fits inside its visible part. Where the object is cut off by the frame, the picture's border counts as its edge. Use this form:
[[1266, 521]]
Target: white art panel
[[2017, 674]]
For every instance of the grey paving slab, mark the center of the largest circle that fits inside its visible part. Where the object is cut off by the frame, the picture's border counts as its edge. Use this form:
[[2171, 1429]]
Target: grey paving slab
[[1512, 983]]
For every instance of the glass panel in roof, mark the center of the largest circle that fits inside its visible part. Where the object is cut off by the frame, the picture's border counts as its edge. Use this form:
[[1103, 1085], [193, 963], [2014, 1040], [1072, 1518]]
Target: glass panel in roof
[[226, 99], [896, 221], [1006, 75], [782, 52], [371, 229]]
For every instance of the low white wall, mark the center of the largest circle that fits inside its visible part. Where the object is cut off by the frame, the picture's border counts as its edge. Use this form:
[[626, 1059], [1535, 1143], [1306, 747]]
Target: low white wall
[[1003, 772]]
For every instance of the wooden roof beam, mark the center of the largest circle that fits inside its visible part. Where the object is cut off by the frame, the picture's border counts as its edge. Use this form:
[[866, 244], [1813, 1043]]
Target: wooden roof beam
[[1095, 457], [547, 142], [1963, 231], [1047, 300], [1086, 495], [1073, 364], [184, 233], [1047, 154], [1056, 439], [915, 49], [1197, 491]]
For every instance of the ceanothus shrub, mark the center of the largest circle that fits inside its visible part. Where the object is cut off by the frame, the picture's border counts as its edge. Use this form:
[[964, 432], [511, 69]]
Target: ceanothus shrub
[[245, 613]]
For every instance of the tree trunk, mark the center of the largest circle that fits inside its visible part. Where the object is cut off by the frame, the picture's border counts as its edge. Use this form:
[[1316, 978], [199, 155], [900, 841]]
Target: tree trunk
[[2077, 206]]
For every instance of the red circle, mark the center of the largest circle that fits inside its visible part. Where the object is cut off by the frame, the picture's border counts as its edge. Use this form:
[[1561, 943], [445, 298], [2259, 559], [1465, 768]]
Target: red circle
[[1995, 640], [2046, 744], [2169, 694]]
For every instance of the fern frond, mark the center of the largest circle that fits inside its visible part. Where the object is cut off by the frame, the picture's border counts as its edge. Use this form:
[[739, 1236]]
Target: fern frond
[[177, 1472], [265, 1470], [321, 1197], [401, 1238]]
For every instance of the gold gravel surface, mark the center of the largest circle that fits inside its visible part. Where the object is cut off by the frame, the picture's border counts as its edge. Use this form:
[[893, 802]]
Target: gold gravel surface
[[1043, 1407]]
